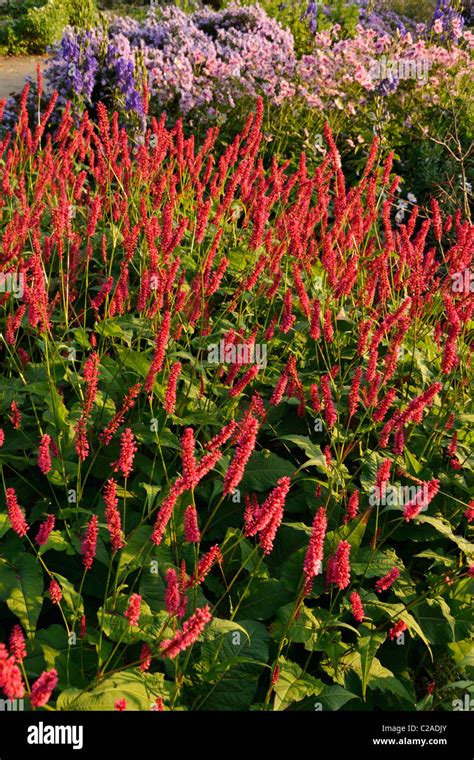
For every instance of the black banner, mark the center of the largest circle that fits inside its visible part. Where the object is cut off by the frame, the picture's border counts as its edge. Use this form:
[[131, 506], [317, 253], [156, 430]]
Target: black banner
[[131, 734]]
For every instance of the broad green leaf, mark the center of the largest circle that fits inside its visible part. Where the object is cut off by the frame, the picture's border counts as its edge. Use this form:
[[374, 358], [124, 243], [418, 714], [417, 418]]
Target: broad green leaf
[[293, 686], [110, 328], [334, 697], [263, 598], [229, 666], [393, 685], [136, 552], [367, 647], [25, 593], [4, 524], [353, 532], [72, 600], [443, 527], [264, 470], [396, 612], [436, 620], [312, 450], [140, 691]]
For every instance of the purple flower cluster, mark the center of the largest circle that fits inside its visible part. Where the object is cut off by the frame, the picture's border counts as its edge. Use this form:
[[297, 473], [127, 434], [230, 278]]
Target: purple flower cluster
[[384, 21], [204, 63], [447, 22]]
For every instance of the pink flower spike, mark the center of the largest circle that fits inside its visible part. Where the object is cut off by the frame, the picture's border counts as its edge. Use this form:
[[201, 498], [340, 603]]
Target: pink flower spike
[[191, 631], [15, 514], [45, 530], [384, 583], [43, 687], [10, 675], [112, 515], [17, 644], [133, 610], [191, 529], [89, 543], [314, 555], [15, 418], [357, 608], [44, 456], [55, 592], [397, 630], [170, 393], [339, 569], [128, 449], [145, 658]]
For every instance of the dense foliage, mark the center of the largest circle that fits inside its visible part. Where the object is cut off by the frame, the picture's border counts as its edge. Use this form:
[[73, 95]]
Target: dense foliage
[[236, 423], [408, 83]]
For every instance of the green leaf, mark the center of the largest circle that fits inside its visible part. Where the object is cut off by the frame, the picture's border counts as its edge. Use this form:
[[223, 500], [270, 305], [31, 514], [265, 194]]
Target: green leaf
[[138, 689], [58, 542], [392, 685], [334, 697], [443, 527], [264, 470], [293, 686], [4, 524], [136, 552], [117, 627], [264, 597], [436, 620], [110, 328], [72, 599], [396, 612], [57, 413], [368, 646], [374, 563], [353, 532], [312, 450], [229, 666], [23, 591]]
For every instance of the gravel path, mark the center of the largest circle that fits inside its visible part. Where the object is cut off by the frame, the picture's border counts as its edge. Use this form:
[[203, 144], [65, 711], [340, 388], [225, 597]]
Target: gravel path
[[14, 69]]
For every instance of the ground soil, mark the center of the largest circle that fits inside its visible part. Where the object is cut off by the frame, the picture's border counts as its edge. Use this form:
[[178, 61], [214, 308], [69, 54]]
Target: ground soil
[[14, 69]]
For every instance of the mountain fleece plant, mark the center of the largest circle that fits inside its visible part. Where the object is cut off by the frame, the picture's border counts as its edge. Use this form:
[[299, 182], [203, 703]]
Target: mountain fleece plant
[[235, 427]]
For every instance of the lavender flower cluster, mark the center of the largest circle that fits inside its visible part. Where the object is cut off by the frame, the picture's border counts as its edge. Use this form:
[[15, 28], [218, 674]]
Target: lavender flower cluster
[[206, 62]]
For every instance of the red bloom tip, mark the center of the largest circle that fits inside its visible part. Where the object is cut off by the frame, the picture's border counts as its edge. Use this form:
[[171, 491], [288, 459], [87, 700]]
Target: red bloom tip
[[339, 569], [145, 657], [384, 583], [357, 608], [10, 675], [44, 456], [55, 592], [191, 529], [190, 632], [128, 449], [133, 610], [397, 629], [17, 644], [15, 514], [43, 687], [45, 530], [89, 543]]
